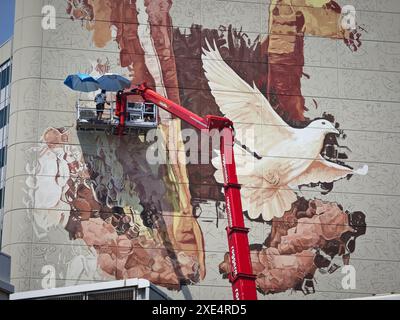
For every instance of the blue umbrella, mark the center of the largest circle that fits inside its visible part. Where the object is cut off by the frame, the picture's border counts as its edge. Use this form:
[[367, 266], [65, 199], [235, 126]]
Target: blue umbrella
[[113, 82], [82, 82]]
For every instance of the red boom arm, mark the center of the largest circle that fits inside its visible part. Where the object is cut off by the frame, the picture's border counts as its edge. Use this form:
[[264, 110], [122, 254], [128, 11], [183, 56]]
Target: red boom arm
[[241, 277]]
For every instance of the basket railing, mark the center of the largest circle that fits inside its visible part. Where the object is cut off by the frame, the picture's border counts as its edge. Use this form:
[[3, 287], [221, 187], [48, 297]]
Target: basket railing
[[138, 114], [86, 110]]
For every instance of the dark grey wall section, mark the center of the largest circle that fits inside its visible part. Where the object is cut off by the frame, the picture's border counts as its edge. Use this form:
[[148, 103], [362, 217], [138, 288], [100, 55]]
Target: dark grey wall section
[[5, 271]]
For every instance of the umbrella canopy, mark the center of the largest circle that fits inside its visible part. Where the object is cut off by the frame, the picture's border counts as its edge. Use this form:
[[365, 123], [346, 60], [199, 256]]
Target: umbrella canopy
[[82, 82], [113, 82]]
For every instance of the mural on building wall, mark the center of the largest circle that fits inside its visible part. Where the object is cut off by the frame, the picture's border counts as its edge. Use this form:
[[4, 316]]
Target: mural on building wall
[[97, 195], [138, 218]]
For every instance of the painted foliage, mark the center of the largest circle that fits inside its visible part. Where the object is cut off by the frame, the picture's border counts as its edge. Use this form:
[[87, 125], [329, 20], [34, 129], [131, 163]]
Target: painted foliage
[[140, 220]]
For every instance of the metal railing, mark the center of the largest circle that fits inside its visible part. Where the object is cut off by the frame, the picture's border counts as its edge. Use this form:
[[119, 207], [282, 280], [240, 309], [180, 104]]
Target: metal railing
[[86, 111], [141, 115], [129, 289]]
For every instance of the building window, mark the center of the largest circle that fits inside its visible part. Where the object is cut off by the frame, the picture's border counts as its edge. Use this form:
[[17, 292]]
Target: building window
[[3, 157], [4, 116], [1, 198], [5, 77]]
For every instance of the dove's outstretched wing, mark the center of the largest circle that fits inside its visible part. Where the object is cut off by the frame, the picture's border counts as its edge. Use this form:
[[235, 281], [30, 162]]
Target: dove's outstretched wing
[[322, 170], [261, 128], [245, 106]]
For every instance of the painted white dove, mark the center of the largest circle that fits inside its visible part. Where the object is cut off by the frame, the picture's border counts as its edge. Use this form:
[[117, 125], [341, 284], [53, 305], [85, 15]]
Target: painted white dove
[[288, 157]]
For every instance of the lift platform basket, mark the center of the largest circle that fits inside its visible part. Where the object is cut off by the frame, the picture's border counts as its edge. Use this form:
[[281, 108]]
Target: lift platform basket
[[140, 117]]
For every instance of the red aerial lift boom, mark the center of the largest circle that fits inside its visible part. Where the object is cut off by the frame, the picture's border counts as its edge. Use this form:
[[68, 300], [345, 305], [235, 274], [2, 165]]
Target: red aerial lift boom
[[241, 276]]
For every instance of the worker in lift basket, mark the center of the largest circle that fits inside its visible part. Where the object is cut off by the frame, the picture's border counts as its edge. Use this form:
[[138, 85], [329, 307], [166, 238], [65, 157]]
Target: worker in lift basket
[[100, 100]]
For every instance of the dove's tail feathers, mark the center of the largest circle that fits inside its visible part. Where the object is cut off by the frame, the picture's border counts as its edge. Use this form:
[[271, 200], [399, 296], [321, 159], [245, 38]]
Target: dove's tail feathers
[[280, 202], [274, 205], [362, 171]]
